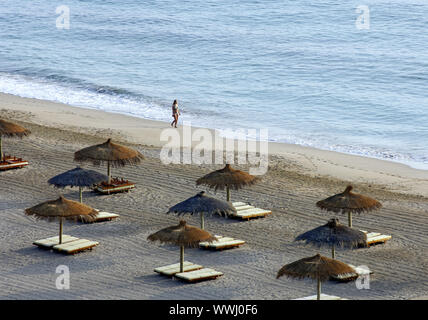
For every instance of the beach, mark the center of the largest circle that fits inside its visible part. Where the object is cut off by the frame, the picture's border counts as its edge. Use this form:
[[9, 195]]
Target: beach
[[121, 266]]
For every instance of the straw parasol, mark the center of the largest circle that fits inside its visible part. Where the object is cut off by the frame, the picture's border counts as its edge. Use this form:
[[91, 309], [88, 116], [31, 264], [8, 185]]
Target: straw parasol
[[334, 234], [114, 154], [227, 178], [62, 209], [202, 203], [182, 235], [9, 129], [318, 268], [77, 177], [349, 202]]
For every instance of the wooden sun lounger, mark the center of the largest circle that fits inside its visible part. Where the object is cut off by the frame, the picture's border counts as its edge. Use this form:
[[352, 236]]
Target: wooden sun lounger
[[114, 188], [246, 211], [12, 163], [376, 237], [105, 216], [222, 243], [199, 275], [52, 241], [352, 276], [173, 269], [75, 246], [322, 297]]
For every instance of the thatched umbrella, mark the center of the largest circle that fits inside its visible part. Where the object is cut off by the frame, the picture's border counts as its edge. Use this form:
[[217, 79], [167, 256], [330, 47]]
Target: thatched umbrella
[[9, 129], [77, 177], [182, 235], [317, 268], [334, 234], [349, 202], [114, 154], [227, 178], [62, 209], [202, 203]]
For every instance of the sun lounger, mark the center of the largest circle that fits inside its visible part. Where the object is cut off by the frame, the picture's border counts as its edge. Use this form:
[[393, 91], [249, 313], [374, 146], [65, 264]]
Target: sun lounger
[[115, 186], [10, 162], [172, 269], [52, 241], [105, 216], [246, 211], [75, 246], [376, 237], [199, 275], [222, 243], [322, 297], [359, 271]]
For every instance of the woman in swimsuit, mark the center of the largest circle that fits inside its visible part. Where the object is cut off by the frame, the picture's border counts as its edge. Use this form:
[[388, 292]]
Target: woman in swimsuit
[[175, 113]]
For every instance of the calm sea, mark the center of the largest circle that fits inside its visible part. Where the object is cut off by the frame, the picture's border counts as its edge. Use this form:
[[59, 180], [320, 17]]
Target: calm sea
[[309, 71]]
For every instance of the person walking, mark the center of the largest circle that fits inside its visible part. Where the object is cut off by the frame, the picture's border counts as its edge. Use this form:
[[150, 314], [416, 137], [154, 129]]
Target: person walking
[[175, 113]]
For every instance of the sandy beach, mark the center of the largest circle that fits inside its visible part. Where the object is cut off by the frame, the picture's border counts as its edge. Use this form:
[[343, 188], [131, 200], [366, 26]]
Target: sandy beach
[[121, 267]]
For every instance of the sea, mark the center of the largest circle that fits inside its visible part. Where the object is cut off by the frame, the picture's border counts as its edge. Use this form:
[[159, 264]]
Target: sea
[[348, 76]]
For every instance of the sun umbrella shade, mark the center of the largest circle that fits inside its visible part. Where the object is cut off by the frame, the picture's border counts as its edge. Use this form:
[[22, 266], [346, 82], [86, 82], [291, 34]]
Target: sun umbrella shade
[[334, 234], [62, 209], [10, 129], [349, 202], [182, 235], [227, 177], [114, 154], [77, 177], [203, 203], [316, 267]]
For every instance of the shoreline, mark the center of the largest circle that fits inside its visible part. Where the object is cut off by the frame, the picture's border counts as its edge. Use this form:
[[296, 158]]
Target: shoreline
[[392, 176]]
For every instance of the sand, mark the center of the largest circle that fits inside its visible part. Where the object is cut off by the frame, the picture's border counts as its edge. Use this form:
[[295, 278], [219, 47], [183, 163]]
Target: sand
[[121, 267]]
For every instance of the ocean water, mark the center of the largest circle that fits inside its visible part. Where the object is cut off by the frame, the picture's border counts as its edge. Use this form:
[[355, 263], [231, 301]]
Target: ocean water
[[303, 69]]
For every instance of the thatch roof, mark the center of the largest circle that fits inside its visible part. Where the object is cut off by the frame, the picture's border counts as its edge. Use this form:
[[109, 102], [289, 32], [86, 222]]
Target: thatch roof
[[62, 208], [77, 177], [227, 177], [315, 267], [117, 155], [348, 201], [203, 203], [182, 235], [334, 233], [10, 129]]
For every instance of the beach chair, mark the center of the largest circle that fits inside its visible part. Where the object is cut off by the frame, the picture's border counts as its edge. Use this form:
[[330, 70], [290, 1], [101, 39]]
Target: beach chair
[[10, 162], [345, 277], [69, 245], [376, 237], [116, 185], [322, 297], [221, 243], [102, 216], [199, 275], [245, 211], [173, 269]]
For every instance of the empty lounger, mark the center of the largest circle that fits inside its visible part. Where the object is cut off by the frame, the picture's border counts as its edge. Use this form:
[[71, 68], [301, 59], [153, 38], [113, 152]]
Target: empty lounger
[[172, 269], [75, 246], [352, 276], [246, 211], [322, 297], [199, 275], [222, 243], [105, 216], [52, 241], [376, 237], [13, 164]]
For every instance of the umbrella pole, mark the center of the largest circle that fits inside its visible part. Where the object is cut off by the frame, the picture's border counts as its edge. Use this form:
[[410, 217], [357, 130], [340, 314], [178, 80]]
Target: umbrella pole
[[60, 230], [318, 289], [1, 150], [350, 219], [181, 258], [333, 252], [228, 193], [108, 172], [80, 194], [202, 221]]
